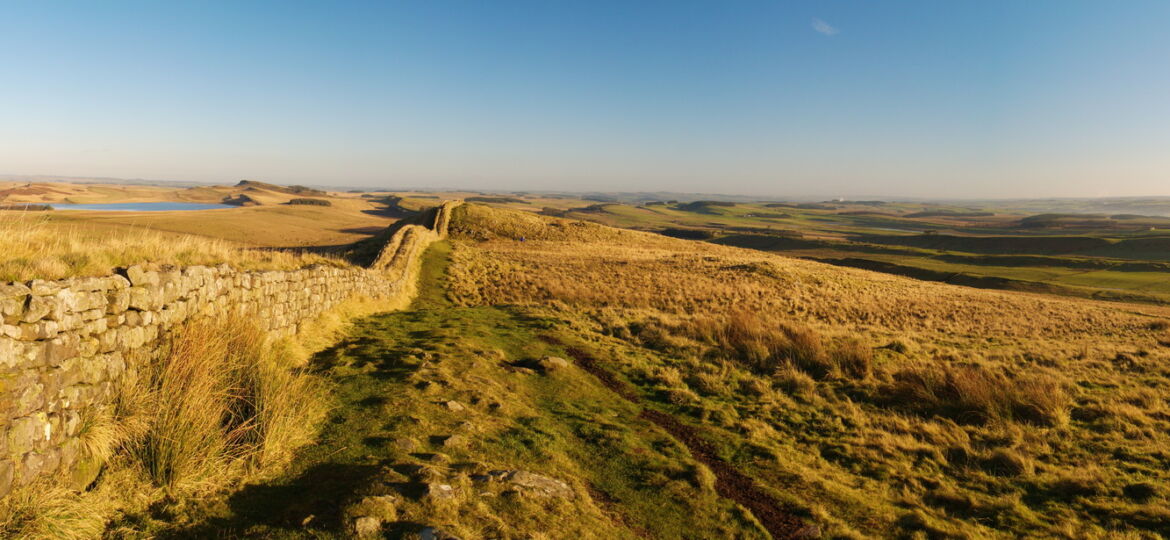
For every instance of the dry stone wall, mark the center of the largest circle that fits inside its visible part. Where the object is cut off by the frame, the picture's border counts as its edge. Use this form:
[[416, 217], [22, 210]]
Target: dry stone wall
[[65, 345]]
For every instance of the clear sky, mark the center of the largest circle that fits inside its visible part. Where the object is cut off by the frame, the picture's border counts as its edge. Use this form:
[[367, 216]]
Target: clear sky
[[835, 98]]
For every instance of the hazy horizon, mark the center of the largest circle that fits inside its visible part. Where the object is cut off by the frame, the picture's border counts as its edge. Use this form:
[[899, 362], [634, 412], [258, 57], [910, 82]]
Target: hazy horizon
[[907, 99]]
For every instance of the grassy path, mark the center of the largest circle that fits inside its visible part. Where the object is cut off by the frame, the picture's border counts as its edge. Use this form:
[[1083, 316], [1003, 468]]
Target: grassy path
[[436, 403]]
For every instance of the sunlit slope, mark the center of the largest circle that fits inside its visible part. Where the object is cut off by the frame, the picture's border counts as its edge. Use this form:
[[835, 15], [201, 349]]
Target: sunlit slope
[[880, 404], [593, 265], [263, 216], [268, 225]]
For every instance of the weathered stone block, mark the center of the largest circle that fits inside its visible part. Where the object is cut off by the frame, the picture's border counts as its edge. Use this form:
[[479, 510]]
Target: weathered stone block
[[40, 287], [94, 327], [62, 304], [68, 322], [39, 330], [108, 341], [117, 301], [12, 300], [61, 349], [91, 301], [25, 432], [10, 350], [88, 284], [7, 471], [28, 396], [139, 276], [31, 465], [89, 346], [142, 298], [37, 308], [117, 282]]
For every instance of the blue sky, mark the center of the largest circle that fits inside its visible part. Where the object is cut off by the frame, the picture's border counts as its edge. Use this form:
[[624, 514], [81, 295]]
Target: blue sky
[[832, 98]]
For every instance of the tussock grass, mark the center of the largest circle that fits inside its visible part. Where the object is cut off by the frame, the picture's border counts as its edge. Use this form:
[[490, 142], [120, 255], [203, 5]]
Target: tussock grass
[[223, 404], [225, 399], [37, 246], [976, 395], [45, 512]]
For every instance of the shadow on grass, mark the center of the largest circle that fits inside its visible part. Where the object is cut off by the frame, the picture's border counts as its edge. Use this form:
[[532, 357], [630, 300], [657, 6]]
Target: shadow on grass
[[310, 503]]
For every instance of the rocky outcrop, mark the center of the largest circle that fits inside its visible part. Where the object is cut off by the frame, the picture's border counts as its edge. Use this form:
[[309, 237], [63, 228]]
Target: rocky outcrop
[[66, 344]]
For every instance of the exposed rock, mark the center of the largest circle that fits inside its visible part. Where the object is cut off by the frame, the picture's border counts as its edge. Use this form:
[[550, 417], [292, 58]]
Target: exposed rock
[[84, 473], [528, 483], [438, 457], [454, 441], [436, 490], [553, 363], [543, 486], [365, 527], [406, 444], [453, 406]]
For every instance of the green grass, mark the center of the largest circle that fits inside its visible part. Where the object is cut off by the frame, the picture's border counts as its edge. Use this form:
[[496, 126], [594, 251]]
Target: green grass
[[391, 379]]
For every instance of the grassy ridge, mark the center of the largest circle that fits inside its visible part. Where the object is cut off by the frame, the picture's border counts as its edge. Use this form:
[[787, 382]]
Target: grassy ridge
[[884, 406]]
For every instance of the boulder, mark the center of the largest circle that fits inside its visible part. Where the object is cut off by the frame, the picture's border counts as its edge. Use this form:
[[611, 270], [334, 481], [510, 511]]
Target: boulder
[[365, 527], [537, 485], [454, 406], [550, 364], [437, 491], [454, 441]]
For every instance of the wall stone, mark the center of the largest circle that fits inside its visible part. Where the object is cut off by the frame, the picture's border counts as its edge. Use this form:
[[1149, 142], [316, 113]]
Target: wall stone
[[64, 345]]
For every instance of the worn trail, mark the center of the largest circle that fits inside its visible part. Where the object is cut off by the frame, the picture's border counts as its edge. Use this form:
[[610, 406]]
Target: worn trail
[[441, 397], [729, 481]]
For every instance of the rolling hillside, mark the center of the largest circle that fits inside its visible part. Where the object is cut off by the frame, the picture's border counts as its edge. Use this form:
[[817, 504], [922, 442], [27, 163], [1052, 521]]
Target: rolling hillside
[[875, 405]]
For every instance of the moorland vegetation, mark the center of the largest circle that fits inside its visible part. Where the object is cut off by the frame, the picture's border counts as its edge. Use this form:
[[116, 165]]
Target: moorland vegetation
[[563, 378], [877, 405]]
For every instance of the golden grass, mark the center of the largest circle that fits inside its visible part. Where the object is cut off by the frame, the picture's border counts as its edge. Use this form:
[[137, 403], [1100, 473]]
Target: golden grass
[[976, 395], [881, 403], [225, 399], [38, 246], [48, 512], [225, 404]]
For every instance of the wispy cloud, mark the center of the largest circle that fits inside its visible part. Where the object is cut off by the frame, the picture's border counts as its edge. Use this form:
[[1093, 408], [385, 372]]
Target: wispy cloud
[[824, 27]]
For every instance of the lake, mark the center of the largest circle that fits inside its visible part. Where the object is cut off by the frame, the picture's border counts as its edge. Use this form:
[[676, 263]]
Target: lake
[[141, 206]]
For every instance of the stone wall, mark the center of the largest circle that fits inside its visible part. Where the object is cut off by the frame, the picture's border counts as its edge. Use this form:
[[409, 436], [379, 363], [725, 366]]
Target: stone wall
[[64, 345]]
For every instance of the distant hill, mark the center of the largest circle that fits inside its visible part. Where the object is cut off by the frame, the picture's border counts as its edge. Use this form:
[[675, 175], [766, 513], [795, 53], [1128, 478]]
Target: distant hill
[[291, 190]]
